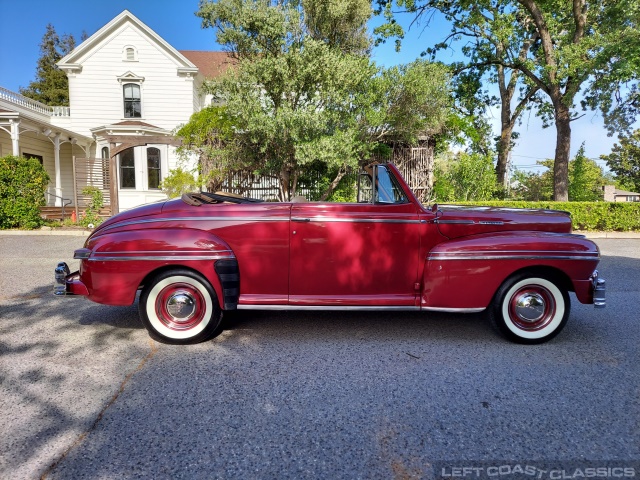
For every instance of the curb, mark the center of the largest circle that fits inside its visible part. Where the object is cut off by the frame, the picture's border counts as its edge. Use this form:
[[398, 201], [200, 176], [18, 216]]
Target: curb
[[611, 235], [69, 233]]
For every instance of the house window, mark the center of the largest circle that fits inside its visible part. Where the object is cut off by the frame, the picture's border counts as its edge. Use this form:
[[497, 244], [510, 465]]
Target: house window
[[153, 167], [132, 103], [129, 54], [106, 174], [127, 169], [31, 155]]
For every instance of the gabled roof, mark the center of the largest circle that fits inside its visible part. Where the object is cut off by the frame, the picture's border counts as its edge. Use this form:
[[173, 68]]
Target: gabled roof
[[73, 60], [624, 193], [210, 64]]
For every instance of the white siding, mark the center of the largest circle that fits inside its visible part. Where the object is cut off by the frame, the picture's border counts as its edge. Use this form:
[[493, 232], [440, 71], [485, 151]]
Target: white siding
[[96, 95], [5, 144]]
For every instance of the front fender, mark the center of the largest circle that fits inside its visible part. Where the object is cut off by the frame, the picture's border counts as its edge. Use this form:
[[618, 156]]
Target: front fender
[[116, 264], [466, 272]]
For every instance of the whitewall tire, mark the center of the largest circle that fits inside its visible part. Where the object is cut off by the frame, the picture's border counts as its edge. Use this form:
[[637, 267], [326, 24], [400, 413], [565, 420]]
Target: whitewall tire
[[181, 307], [530, 308]]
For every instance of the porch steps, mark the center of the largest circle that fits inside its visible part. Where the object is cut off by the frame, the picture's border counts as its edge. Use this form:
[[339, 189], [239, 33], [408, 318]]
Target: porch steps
[[55, 213]]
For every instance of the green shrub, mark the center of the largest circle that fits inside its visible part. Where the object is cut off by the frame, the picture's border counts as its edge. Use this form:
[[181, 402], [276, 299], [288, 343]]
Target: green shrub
[[180, 181], [91, 214], [22, 186], [603, 216]]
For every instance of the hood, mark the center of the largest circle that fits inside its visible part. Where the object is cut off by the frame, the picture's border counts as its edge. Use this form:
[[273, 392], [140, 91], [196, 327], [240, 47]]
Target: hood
[[457, 221], [141, 211]]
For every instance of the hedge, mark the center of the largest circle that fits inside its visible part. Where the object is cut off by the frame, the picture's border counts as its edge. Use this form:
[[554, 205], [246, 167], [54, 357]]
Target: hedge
[[22, 185], [597, 216]]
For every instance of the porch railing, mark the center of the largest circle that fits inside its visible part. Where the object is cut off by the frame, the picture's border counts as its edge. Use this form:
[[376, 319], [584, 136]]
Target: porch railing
[[33, 105], [65, 201]]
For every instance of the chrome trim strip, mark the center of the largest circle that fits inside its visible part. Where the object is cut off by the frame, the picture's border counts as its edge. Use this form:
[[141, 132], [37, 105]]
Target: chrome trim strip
[[454, 310], [258, 219], [514, 252], [454, 222], [200, 219], [356, 220], [327, 307], [512, 257], [159, 258], [164, 252]]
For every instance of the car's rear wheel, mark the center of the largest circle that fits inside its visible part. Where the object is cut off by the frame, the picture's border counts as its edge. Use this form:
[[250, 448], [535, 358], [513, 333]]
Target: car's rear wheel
[[180, 307], [530, 309]]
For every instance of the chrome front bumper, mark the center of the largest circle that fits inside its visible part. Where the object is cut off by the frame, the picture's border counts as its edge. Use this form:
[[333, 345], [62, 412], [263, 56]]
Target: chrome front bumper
[[599, 291], [66, 283]]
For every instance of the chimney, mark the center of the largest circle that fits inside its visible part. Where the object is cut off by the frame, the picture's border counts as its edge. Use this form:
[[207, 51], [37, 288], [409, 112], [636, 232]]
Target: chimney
[[609, 193]]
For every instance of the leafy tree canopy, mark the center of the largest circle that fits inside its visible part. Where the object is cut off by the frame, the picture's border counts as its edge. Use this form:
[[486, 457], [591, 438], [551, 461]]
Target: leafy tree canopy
[[465, 177], [302, 92], [560, 47], [586, 180], [51, 85], [624, 160]]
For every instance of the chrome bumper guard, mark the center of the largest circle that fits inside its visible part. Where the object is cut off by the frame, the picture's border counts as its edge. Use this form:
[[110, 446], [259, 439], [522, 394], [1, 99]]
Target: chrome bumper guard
[[67, 283], [599, 291], [60, 283]]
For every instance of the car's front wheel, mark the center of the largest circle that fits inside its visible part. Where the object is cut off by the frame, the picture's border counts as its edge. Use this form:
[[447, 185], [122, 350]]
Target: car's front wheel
[[530, 308], [180, 307]]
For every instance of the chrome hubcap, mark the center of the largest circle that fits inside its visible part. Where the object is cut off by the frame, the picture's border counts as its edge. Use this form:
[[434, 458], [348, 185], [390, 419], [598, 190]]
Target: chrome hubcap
[[530, 307], [181, 306]]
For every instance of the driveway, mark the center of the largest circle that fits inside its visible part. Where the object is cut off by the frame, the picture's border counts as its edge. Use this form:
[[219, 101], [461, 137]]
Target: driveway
[[86, 394]]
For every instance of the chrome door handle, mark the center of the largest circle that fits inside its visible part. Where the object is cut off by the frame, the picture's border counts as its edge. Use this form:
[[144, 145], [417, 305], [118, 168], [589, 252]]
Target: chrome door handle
[[298, 219]]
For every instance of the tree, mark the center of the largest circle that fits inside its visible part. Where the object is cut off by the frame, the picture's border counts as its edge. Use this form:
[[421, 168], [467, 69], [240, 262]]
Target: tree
[[577, 39], [51, 85], [301, 93], [466, 177], [207, 134], [342, 24], [585, 179], [624, 160], [579, 45], [534, 186], [493, 34]]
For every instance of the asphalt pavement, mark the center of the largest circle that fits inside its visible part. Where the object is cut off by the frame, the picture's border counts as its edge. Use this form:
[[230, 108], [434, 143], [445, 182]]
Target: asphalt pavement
[[85, 393]]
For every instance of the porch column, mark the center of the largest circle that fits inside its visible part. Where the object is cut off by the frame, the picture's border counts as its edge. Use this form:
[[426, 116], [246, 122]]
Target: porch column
[[56, 156], [15, 137]]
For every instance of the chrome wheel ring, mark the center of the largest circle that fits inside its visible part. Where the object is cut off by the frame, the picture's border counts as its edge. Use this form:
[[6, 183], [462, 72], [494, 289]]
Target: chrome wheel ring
[[529, 307], [532, 307], [180, 306]]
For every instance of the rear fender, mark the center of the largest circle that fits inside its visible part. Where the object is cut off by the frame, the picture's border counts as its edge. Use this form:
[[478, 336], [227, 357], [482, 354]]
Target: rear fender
[[121, 262], [466, 272]]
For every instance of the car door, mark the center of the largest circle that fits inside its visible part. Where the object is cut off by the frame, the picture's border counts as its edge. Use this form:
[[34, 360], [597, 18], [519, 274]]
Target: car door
[[358, 254]]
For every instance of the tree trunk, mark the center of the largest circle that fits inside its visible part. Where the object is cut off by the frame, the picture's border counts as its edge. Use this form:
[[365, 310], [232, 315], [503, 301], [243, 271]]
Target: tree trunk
[[285, 179], [563, 147], [504, 147], [341, 173]]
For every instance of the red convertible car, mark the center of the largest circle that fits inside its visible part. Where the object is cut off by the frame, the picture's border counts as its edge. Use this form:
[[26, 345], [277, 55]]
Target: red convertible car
[[196, 257]]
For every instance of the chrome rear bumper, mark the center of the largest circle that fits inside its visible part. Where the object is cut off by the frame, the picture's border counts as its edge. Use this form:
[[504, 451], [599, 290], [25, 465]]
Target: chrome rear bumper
[[599, 291]]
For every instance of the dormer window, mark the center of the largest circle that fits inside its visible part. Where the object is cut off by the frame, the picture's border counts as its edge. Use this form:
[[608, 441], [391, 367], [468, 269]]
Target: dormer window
[[132, 100], [129, 54]]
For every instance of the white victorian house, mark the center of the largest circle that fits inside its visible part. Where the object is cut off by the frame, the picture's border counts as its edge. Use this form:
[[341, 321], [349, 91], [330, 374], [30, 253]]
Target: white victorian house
[[129, 89]]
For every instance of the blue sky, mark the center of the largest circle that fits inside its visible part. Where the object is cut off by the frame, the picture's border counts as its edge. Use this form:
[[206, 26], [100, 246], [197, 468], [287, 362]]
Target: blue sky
[[23, 22]]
